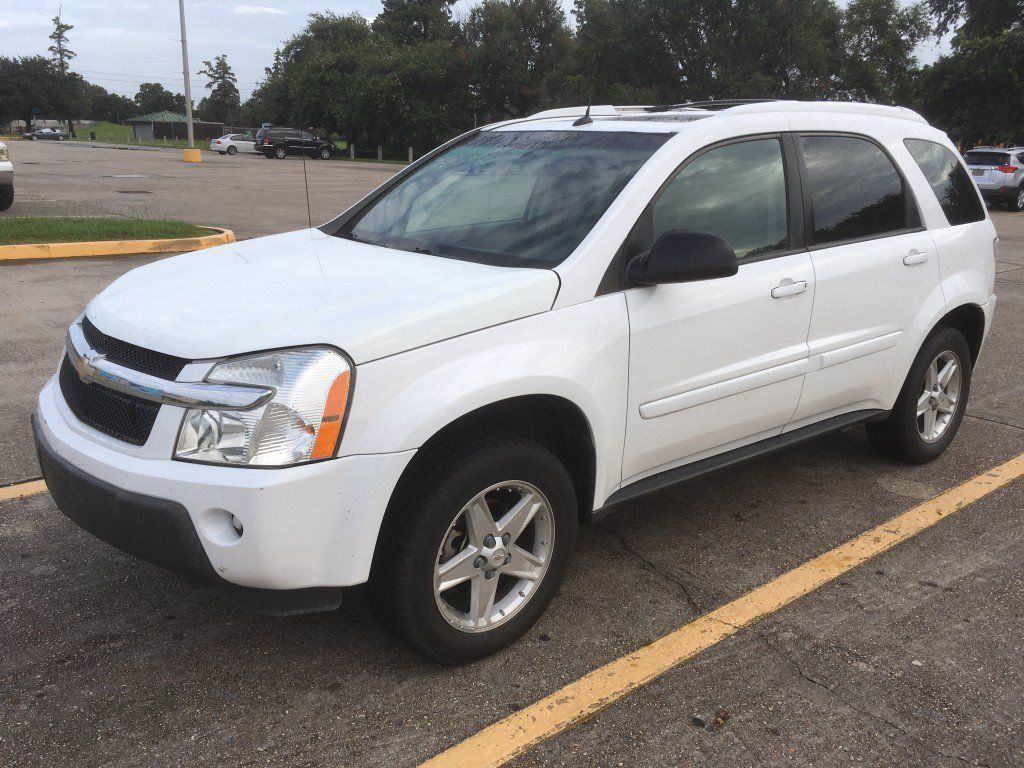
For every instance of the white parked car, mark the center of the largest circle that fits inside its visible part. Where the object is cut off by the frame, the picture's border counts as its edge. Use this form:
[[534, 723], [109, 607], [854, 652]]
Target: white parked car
[[6, 178], [233, 143], [537, 322]]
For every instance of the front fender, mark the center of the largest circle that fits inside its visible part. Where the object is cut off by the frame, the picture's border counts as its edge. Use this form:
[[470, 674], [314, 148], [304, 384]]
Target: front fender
[[579, 353]]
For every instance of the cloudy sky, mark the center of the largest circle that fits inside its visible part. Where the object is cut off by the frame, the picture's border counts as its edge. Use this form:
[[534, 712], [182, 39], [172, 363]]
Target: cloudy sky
[[122, 43]]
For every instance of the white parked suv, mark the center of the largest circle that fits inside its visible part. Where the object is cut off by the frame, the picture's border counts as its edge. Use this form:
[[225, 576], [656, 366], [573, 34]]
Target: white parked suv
[[538, 321]]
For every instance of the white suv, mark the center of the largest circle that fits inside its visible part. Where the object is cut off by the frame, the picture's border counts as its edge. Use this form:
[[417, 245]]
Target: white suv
[[536, 322]]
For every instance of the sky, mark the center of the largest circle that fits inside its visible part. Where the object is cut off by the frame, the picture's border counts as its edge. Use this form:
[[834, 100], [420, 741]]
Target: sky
[[122, 43]]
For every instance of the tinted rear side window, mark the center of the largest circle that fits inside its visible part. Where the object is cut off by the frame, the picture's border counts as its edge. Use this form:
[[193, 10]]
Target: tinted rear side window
[[987, 158], [950, 182], [856, 191]]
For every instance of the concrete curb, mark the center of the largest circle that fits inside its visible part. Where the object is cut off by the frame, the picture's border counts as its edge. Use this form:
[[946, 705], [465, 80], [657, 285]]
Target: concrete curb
[[35, 251]]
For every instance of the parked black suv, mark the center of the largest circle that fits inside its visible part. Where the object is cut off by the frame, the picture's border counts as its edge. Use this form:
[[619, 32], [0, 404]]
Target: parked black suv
[[279, 142]]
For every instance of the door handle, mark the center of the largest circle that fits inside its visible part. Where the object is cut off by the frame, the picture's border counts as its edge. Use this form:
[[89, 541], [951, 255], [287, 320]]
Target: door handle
[[788, 288], [915, 257]]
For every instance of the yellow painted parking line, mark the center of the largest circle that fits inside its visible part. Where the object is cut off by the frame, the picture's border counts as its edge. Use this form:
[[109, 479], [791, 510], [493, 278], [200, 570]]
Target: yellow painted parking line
[[20, 490], [580, 700]]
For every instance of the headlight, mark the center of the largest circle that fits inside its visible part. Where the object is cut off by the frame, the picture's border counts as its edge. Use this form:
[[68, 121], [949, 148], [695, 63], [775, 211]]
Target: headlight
[[301, 422]]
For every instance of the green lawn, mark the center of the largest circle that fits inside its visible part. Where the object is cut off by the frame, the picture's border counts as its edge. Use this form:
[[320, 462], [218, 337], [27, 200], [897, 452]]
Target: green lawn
[[112, 133], [30, 229]]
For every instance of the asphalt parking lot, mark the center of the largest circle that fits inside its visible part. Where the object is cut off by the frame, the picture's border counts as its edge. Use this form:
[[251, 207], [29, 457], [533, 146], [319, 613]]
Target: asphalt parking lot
[[247, 193], [913, 659]]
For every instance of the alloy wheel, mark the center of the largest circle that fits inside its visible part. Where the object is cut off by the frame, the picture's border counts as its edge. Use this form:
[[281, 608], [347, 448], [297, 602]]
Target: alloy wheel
[[493, 556], [938, 402]]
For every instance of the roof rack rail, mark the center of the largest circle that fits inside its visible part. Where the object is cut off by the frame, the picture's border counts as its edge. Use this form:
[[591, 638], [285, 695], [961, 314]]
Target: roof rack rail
[[708, 104]]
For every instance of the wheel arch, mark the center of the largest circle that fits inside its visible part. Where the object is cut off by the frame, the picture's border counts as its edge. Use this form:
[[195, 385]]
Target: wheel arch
[[553, 421], [969, 319]]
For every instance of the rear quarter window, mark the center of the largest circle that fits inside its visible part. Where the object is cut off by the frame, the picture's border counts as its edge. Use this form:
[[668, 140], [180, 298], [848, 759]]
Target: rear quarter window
[[949, 181]]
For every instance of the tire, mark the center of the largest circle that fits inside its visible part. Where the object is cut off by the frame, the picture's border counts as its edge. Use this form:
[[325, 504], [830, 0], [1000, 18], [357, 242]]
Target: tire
[[280, 153], [221, 153], [232, 150], [1017, 204], [902, 436], [33, 138], [60, 138], [268, 155], [325, 153], [6, 197], [430, 525]]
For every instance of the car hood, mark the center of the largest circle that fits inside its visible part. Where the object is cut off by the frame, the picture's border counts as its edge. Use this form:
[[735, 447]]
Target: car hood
[[307, 287]]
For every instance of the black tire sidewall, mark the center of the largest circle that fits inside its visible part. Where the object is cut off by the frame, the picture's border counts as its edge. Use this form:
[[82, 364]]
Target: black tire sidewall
[[6, 198], [447, 490], [943, 339]]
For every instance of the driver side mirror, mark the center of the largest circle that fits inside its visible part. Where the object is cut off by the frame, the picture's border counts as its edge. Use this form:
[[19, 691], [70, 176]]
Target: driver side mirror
[[680, 256]]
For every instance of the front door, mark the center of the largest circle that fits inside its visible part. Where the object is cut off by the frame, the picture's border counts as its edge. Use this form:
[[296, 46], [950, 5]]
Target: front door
[[718, 363]]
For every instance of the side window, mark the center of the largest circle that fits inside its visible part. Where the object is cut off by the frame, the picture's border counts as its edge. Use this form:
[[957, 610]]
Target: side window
[[307, 136], [949, 181], [856, 191], [737, 191]]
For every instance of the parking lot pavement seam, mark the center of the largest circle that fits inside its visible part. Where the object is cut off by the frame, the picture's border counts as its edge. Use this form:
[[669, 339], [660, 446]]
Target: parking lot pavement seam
[[584, 698], [993, 421], [837, 693], [676, 582]]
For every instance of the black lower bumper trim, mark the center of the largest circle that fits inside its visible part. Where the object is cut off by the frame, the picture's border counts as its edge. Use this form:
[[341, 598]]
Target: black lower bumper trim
[[161, 532]]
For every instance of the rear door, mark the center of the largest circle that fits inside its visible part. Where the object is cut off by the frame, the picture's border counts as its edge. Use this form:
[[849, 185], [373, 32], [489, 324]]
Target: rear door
[[875, 268], [717, 363]]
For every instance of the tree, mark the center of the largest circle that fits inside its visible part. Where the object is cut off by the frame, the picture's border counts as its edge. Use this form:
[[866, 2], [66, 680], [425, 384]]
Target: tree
[[111, 107], [62, 55], [153, 97], [223, 103], [977, 18], [975, 93], [879, 37], [411, 22], [28, 86], [517, 51]]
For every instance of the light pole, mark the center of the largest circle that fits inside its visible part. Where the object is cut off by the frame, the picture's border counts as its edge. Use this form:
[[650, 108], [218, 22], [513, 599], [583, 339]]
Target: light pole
[[191, 155]]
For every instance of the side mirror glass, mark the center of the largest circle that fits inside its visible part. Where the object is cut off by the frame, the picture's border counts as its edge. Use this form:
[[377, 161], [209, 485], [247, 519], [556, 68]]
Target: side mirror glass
[[680, 256]]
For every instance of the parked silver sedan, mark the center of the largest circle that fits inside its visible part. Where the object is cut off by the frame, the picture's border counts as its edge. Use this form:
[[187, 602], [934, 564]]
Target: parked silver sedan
[[233, 143]]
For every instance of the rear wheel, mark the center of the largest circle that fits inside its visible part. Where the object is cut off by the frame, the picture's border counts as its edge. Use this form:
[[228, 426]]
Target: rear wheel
[[931, 404], [221, 152], [477, 548], [1017, 203], [6, 197]]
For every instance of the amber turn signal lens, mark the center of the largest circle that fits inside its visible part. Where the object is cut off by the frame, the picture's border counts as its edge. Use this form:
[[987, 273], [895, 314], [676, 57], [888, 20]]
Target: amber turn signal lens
[[330, 425]]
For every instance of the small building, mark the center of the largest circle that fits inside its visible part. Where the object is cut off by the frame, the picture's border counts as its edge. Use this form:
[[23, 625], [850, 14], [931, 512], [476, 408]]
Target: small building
[[170, 125]]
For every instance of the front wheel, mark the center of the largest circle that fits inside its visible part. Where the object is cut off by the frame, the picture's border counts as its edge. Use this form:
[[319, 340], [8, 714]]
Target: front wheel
[[931, 404], [325, 153], [6, 197], [476, 548]]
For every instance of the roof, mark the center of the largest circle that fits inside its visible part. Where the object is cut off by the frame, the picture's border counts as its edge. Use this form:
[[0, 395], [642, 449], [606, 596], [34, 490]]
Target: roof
[[159, 117], [166, 117], [675, 117]]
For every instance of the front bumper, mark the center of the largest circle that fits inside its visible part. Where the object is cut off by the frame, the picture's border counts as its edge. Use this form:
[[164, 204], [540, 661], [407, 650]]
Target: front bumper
[[6, 176], [304, 527]]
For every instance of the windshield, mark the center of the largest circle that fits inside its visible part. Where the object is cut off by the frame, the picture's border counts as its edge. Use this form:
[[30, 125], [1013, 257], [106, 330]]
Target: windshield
[[508, 198], [987, 158]]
